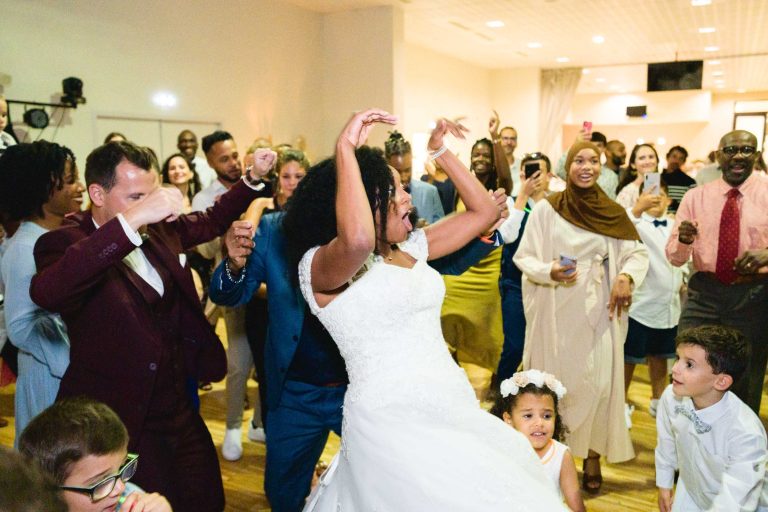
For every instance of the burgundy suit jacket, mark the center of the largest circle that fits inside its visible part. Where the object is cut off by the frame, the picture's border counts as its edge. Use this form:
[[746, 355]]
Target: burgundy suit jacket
[[114, 334]]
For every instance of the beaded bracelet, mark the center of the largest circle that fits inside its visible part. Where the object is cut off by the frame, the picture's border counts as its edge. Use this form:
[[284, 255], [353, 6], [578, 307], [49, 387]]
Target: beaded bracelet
[[434, 155], [229, 273]]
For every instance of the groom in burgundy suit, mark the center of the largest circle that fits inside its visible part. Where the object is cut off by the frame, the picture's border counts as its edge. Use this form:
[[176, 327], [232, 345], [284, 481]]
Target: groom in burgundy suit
[[136, 328]]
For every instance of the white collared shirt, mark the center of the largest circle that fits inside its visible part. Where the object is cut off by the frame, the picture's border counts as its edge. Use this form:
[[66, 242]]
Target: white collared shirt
[[656, 302], [137, 260], [722, 469]]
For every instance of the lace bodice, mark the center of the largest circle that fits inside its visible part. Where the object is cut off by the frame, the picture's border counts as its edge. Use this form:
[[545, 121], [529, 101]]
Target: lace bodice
[[387, 327]]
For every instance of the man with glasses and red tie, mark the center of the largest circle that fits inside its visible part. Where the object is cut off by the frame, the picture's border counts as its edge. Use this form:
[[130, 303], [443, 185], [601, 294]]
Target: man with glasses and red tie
[[723, 225]]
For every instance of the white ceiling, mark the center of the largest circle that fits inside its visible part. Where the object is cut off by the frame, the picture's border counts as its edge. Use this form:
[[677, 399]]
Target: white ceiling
[[636, 32]]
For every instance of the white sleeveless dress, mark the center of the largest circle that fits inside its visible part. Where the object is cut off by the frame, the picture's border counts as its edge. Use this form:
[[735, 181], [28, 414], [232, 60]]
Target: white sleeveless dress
[[413, 435]]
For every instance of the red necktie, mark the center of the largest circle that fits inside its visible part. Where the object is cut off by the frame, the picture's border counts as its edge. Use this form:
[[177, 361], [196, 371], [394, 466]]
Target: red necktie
[[728, 241]]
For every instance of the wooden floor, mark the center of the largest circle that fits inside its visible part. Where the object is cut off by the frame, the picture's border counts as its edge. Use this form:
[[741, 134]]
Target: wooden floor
[[627, 487]]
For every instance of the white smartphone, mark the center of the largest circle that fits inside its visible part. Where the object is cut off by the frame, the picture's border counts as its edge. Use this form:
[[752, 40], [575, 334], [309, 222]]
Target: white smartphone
[[652, 183], [567, 260]]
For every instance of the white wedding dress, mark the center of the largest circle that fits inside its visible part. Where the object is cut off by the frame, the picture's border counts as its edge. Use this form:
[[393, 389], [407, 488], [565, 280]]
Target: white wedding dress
[[413, 435]]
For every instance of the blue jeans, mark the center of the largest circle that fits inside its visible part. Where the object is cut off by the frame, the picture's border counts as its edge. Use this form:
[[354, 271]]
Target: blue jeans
[[297, 431], [513, 322]]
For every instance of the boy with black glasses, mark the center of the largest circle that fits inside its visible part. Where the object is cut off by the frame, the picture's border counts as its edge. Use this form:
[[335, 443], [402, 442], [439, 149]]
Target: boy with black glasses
[[83, 445]]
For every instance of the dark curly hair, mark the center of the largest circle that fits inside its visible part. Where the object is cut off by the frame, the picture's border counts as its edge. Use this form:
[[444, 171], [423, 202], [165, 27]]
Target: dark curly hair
[[310, 218], [493, 176], [396, 145], [726, 348], [194, 182], [29, 173], [507, 404]]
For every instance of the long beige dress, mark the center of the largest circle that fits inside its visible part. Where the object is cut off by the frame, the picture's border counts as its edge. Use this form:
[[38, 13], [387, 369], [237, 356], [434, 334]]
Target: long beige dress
[[568, 332]]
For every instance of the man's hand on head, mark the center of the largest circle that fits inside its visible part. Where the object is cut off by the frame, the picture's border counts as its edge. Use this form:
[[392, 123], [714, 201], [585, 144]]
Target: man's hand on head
[[162, 204]]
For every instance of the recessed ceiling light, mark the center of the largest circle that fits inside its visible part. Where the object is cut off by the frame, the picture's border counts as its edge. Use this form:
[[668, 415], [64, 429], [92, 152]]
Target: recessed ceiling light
[[711, 48], [718, 73], [661, 141], [563, 59], [699, 3], [598, 39], [494, 24], [586, 71], [713, 62], [640, 140], [600, 80], [164, 99], [534, 44], [741, 91], [706, 30]]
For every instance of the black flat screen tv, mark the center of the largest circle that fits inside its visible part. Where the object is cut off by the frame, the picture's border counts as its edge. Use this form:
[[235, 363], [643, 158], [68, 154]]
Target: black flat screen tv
[[675, 76]]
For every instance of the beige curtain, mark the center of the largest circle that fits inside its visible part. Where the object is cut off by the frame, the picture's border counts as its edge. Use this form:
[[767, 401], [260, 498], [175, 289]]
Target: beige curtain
[[558, 87]]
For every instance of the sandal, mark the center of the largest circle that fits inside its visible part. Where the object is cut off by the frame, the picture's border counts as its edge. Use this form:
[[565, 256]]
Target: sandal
[[590, 481]]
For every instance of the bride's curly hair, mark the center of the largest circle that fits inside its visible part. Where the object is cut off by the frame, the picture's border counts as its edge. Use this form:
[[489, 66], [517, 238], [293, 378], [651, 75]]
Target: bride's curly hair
[[310, 218]]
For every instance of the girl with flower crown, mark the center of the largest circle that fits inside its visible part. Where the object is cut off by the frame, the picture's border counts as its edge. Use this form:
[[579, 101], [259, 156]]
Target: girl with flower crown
[[528, 402]]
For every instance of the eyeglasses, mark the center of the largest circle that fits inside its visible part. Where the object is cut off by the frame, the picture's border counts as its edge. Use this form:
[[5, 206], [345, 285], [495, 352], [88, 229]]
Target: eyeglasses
[[744, 150], [105, 487]]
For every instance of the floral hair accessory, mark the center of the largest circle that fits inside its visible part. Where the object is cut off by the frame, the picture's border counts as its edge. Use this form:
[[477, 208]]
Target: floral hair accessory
[[514, 384]]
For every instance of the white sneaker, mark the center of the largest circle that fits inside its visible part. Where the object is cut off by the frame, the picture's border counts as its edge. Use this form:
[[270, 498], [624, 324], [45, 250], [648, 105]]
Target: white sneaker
[[232, 447], [628, 410], [653, 407], [256, 434]]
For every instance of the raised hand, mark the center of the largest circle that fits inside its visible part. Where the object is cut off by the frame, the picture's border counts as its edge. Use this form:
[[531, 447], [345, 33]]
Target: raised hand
[[687, 232], [239, 243], [499, 197], [442, 127], [360, 124], [645, 202], [163, 203], [493, 126], [263, 161]]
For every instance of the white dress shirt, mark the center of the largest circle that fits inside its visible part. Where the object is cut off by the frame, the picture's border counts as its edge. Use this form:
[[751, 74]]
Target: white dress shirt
[[656, 302], [205, 173], [137, 260], [722, 469]]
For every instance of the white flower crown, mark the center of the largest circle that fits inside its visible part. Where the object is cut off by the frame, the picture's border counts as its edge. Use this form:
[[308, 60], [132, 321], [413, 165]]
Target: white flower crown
[[512, 385]]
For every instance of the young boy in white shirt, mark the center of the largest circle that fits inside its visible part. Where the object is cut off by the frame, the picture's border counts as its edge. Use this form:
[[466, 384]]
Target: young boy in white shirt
[[706, 432], [655, 310]]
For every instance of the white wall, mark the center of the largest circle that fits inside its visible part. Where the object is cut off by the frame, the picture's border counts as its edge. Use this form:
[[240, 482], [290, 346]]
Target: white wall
[[359, 66], [515, 94], [693, 119], [440, 86], [253, 65]]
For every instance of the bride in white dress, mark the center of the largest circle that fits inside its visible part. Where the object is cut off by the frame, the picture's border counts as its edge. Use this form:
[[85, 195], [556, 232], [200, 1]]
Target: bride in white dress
[[413, 435]]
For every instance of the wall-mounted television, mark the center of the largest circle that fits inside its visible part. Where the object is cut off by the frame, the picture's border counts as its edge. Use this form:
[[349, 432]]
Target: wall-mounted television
[[675, 76]]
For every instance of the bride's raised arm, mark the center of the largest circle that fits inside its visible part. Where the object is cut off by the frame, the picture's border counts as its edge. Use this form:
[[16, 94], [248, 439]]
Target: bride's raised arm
[[454, 232], [336, 262]]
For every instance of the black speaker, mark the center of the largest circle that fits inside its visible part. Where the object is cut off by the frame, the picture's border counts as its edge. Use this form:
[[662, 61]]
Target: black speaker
[[638, 111]]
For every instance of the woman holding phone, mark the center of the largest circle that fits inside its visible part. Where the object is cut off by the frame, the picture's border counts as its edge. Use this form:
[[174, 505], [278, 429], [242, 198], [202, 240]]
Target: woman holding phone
[[643, 160], [581, 258]]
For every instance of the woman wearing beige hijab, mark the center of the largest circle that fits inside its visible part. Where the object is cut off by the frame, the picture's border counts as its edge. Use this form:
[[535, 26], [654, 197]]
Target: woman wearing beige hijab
[[581, 257]]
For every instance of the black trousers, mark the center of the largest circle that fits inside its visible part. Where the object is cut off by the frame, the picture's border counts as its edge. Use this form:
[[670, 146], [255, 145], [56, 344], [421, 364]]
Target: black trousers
[[741, 306]]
